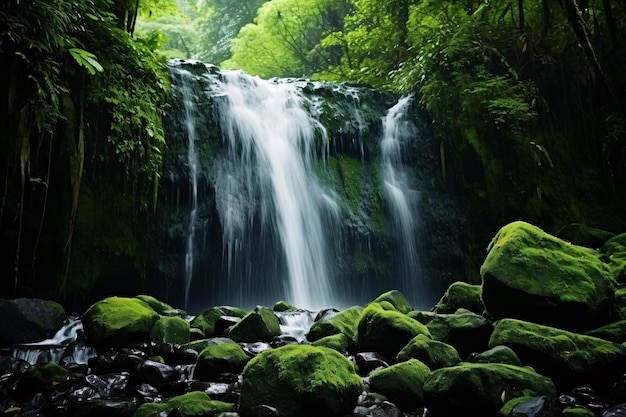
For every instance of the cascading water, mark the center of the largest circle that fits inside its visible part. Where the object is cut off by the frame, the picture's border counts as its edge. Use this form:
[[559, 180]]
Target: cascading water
[[267, 176], [401, 197], [293, 190]]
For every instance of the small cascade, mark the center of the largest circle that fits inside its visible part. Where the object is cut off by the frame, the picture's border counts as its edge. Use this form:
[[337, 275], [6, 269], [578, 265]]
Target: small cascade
[[401, 197], [296, 323], [55, 348]]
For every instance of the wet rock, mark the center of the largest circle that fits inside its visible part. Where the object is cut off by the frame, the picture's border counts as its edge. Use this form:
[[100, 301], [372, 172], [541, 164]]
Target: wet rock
[[366, 362], [536, 407], [103, 407], [618, 410], [333, 322], [218, 359], [27, 320], [111, 385], [153, 373], [497, 354], [260, 325]]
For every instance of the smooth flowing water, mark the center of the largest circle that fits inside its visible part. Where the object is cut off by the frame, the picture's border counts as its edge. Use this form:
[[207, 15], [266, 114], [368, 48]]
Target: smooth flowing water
[[268, 177], [402, 197]]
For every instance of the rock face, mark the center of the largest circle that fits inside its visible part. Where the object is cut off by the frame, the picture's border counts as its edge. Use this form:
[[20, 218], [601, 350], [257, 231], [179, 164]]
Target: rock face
[[26, 320], [531, 275], [300, 380], [118, 319]]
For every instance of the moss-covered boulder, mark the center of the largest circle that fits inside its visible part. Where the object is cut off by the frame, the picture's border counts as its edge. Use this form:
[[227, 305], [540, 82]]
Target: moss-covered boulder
[[209, 318], [338, 342], [481, 389], [562, 355], [432, 353], [466, 331], [259, 325], [615, 250], [193, 404], [201, 344], [401, 383], [531, 275], [461, 295], [497, 354], [396, 299], [615, 332], [117, 320], [157, 305], [300, 381], [41, 377], [173, 330], [27, 320], [220, 358], [386, 331], [619, 304], [344, 322]]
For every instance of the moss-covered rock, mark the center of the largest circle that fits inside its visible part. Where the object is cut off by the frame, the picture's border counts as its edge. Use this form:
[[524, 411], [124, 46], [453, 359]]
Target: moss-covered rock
[[531, 275], [619, 304], [562, 355], [481, 389], [300, 381], [117, 320], [386, 331], [27, 320], [531, 406], [461, 295], [338, 342], [401, 383], [432, 353], [468, 332], [615, 250], [259, 325], [193, 404], [220, 358], [397, 299], [345, 322], [282, 306], [173, 330], [201, 344], [207, 320], [157, 305], [41, 377], [497, 354]]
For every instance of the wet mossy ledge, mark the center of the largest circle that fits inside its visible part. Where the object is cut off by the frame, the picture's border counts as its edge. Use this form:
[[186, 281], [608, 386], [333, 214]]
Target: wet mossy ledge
[[543, 334]]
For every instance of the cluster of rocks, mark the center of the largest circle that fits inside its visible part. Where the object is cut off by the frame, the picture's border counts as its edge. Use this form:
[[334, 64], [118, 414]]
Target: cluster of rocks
[[542, 335]]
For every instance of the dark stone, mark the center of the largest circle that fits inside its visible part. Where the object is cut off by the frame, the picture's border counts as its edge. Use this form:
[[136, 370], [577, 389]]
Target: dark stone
[[366, 362], [112, 385], [618, 410], [103, 407], [153, 373], [27, 320], [537, 407]]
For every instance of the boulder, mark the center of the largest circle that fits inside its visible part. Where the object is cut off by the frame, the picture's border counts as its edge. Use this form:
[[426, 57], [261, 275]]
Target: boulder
[[27, 320], [432, 353], [401, 383], [468, 332], [396, 299], [564, 356], [533, 276], [497, 354], [259, 325], [208, 319], [345, 322], [193, 404], [157, 305], [220, 358], [383, 329], [615, 250], [481, 389], [41, 377], [460, 295], [300, 381], [173, 330], [338, 342], [118, 320]]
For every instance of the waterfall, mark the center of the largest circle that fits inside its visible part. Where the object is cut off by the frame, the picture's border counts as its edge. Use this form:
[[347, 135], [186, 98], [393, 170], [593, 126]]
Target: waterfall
[[267, 175], [402, 198], [295, 190]]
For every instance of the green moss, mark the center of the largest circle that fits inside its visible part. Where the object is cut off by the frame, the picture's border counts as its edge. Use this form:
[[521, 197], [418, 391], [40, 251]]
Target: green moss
[[578, 412], [401, 383], [170, 330], [300, 380], [118, 320], [397, 299], [497, 354], [461, 295], [193, 404], [386, 331], [432, 353], [260, 325], [156, 305], [42, 377], [205, 321], [338, 342], [219, 358], [482, 388], [344, 322]]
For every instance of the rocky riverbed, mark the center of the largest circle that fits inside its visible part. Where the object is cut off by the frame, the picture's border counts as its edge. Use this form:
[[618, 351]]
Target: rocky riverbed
[[542, 335]]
